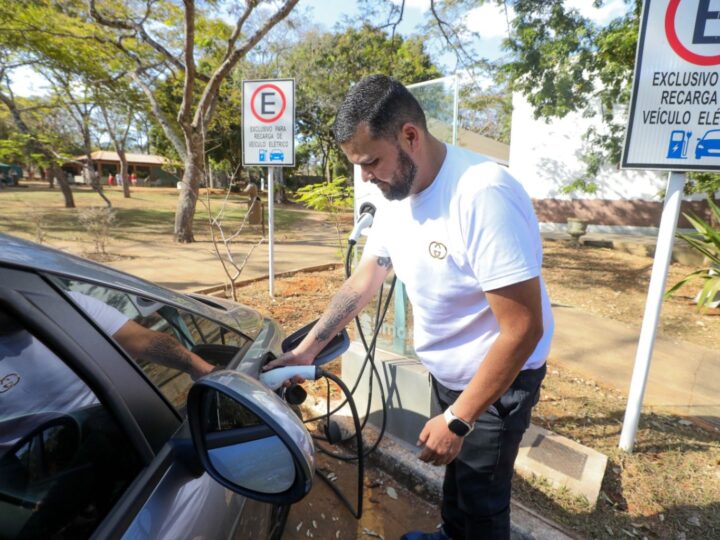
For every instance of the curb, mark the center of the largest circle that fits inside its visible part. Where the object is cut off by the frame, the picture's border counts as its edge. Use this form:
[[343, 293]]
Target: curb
[[214, 289]]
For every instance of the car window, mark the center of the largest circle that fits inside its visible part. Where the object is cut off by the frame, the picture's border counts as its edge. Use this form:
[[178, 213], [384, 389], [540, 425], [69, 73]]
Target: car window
[[64, 460], [172, 346]]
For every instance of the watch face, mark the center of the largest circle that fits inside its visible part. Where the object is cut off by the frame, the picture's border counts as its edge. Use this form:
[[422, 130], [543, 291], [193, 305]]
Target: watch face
[[458, 427]]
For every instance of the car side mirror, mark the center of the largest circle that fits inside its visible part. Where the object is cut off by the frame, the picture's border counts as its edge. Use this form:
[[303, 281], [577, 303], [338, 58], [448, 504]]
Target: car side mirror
[[249, 440]]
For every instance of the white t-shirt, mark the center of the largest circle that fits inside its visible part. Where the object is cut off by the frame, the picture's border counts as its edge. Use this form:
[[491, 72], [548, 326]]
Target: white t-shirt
[[33, 379], [472, 230]]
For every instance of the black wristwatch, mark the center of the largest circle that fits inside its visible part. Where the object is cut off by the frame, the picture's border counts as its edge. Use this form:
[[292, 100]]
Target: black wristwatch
[[457, 425]]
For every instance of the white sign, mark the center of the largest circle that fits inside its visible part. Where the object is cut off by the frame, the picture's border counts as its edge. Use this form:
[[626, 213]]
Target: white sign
[[674, 118], [269, 122]]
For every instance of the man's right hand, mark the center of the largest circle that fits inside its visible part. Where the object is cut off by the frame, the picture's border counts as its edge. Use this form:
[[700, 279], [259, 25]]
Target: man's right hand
[[290, 358]]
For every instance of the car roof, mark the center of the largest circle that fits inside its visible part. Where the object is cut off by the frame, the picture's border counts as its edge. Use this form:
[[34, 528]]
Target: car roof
[[29, 255]]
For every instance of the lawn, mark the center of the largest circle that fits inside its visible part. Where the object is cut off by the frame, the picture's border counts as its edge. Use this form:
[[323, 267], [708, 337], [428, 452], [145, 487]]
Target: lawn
[[35, 210]]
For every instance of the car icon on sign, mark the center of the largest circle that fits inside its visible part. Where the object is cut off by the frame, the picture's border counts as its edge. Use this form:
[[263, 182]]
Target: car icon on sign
[[277, 156], [709, 144]]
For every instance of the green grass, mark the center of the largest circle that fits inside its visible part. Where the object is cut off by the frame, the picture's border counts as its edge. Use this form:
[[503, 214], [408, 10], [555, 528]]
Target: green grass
[[36, 209]]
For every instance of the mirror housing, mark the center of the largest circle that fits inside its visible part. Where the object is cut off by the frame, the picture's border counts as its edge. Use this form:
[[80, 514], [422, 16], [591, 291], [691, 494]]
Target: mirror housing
[[248, 439]]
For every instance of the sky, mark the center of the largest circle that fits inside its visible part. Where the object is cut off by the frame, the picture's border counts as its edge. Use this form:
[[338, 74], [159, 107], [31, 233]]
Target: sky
[[489, 22]]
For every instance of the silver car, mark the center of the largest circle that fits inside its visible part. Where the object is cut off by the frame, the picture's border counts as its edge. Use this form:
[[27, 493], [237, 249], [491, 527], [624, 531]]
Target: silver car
[[131, 411]]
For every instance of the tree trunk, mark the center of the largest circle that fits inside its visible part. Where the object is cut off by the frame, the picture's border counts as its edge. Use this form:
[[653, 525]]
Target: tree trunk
[[192, 176], [57, 172], [124, 172], [91, 177]]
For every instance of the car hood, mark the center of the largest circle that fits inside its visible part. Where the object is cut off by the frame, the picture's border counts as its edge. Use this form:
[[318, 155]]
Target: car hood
[[29, 255]]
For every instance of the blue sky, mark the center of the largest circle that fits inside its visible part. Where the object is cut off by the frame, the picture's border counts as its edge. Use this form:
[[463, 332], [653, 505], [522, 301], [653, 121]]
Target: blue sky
[[488, 24]]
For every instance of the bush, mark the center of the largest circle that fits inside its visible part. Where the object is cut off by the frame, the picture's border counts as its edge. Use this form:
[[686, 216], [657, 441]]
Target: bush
[[98, 221]]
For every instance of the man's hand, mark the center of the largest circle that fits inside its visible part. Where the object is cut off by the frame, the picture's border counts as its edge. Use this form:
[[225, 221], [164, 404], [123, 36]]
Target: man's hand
[[441, 444], [290, 358]]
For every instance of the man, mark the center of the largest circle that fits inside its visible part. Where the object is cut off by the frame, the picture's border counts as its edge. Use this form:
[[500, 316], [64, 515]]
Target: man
[[461, 234]]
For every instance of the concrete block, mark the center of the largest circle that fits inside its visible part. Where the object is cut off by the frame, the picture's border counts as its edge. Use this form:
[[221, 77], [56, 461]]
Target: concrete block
[[563, 462]]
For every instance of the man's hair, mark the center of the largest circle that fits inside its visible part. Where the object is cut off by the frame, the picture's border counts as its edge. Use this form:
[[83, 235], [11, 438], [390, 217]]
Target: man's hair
[[383, 103]]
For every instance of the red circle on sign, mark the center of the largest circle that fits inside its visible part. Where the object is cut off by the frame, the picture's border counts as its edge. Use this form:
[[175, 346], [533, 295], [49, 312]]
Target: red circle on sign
[[252, 103], [682, 51]]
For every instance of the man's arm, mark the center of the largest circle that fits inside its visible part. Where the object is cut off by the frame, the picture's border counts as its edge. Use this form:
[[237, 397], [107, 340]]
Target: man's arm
[[354, 294], [518, 310], [144, 344]]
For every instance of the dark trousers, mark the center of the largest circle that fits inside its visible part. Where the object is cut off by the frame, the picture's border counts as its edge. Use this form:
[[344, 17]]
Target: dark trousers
[[478, 482]]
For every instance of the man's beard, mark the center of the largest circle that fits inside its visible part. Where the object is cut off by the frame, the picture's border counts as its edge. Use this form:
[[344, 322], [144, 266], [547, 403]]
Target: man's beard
[[402, 180]]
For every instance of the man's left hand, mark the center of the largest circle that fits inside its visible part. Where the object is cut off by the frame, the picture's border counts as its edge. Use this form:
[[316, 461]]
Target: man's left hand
[[441, 444]]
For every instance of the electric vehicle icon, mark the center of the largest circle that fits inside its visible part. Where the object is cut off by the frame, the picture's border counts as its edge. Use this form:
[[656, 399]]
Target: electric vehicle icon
[[677, 146], [708, 145], [277, 156]]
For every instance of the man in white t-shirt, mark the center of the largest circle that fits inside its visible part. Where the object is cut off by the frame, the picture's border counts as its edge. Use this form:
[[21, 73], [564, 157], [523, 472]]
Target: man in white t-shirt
[[461, 234]]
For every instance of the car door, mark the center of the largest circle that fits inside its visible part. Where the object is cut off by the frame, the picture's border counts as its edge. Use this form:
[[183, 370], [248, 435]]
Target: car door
[[165, 494]]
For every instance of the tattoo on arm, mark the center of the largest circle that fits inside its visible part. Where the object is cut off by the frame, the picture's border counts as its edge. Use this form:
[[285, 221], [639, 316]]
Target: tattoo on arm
[[343, 304], [385, 262], [165, 350]]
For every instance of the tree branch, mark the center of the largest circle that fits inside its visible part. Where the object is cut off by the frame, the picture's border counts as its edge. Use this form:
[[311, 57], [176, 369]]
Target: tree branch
[[189, 50], [206, 101]]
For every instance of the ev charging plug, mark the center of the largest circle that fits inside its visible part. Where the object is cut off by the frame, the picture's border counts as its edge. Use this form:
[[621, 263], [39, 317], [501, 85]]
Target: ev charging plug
[[365, 219], [275, 378]]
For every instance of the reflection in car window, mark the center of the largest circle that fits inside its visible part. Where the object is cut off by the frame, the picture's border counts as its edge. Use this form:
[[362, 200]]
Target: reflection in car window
[[171, 345], [64, 460]]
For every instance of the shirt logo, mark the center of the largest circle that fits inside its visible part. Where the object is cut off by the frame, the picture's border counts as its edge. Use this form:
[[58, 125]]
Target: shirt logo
[[437, 250], [8, 381]]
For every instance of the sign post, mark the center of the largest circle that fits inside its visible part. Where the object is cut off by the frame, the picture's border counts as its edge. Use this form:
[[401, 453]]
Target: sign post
[[269, 139], [674, 124]]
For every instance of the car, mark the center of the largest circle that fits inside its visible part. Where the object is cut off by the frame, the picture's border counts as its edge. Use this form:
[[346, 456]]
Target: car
[[709, 144], [99, 441], [277, 156]]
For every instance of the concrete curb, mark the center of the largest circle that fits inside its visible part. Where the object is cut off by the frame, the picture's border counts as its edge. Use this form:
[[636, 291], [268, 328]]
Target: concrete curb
[[308, 269], [399, 460]]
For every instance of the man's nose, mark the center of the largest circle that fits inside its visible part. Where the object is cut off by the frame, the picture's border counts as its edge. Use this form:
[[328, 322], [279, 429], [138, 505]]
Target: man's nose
[[366, 174]]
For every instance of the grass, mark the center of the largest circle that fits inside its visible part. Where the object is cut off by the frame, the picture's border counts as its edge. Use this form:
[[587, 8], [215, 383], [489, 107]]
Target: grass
[[37, 210]]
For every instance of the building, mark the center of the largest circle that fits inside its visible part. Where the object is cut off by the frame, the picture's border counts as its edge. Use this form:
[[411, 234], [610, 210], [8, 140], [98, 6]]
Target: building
[[546, 156], [149, 169]]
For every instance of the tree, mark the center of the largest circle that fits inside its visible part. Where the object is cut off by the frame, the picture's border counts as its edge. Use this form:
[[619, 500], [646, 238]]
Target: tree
[[150, 42], [29, 141], [174, 37], [562, 62], [325, 65]]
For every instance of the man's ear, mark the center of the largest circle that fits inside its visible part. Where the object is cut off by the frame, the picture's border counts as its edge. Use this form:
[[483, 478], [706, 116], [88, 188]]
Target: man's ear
[[410, 136]]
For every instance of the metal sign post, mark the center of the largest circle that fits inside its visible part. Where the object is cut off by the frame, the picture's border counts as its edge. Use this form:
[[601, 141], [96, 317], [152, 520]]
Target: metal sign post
[[674, 124], [269, 139], [271, 230], [653, 304]]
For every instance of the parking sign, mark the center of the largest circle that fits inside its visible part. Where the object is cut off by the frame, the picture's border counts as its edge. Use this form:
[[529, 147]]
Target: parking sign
[[269, 122], [674, 120]]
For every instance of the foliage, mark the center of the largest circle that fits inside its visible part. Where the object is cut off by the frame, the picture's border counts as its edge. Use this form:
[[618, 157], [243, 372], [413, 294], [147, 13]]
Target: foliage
[[706, 241], [325, 65], [331, 196]]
